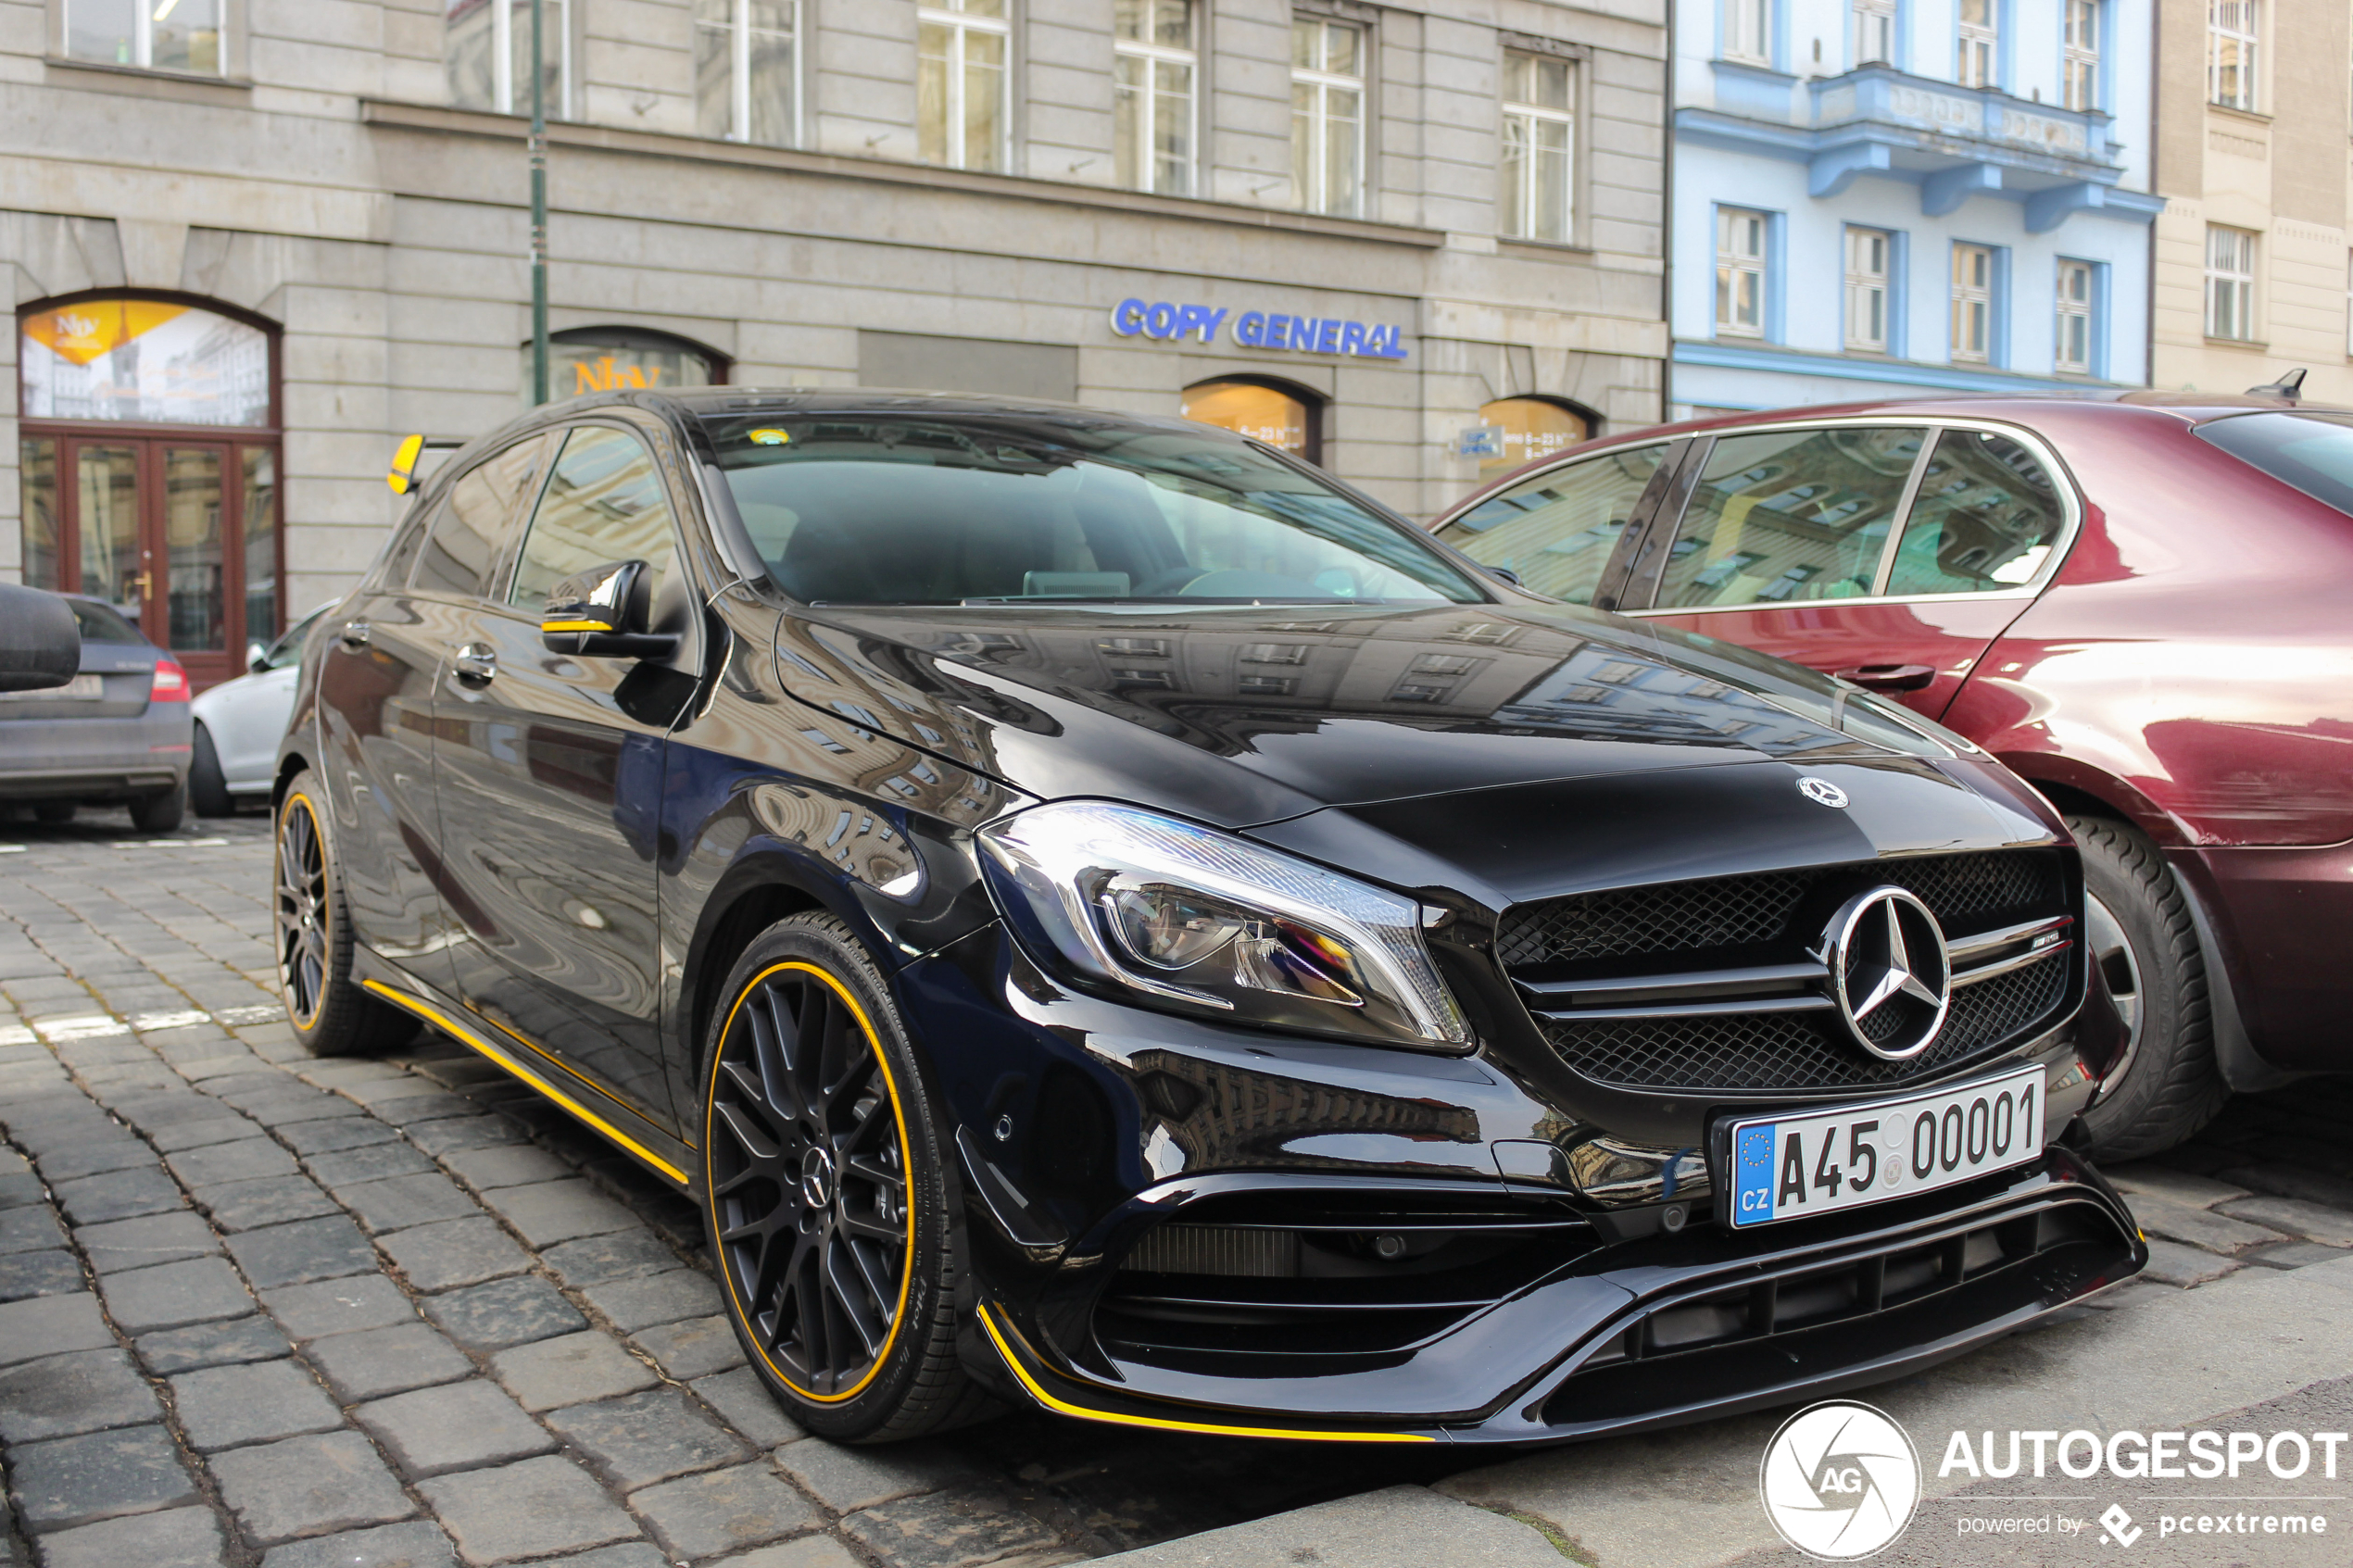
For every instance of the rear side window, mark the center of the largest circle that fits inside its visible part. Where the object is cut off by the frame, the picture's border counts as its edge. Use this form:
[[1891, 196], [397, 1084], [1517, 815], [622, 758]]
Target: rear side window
[[604, 502], [2313, 452], [1556, 532], [1986, 517], [469, 526], [1784, 517], [100, 624]]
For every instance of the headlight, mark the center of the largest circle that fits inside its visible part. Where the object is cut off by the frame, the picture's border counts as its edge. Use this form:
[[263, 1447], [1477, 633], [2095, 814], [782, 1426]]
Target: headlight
[[1184, 918]]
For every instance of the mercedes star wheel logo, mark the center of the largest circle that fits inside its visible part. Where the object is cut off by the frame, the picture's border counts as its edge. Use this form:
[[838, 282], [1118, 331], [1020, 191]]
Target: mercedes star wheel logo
[[1890, 974], [1821, 792]]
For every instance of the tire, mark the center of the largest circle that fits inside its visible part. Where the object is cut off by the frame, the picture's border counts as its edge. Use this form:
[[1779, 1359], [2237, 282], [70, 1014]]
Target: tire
[[330, 1015], [54, 811], [773, 1150], [2168, 1085], [208, 786], [160, 813]]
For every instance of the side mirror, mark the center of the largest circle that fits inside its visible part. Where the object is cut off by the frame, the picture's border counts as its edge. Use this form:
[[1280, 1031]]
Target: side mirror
[[40, 640], [603, 613], [1507, 574], [257, 659]]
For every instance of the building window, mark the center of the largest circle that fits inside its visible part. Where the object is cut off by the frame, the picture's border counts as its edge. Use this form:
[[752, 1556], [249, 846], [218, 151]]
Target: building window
[[1539, 143], [1280, 417], [1152, 96], [487, 50], [2229, 283], [1740, 273], [2080, 56], [587, 359], [1748, 31], [2230, 52], [745, 81], [183, 36], [1527, 429], [1868, 253], [2077, 290], [1874, 32], [961, 83], [1328, 116], [1978, 45], [1972, 303]]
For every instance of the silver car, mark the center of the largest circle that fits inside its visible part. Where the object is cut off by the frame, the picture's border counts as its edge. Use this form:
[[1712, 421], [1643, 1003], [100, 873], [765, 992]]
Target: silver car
[[239, 724], [116, 733]]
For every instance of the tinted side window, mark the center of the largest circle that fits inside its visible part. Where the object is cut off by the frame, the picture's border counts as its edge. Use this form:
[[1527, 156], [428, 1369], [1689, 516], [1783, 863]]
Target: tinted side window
[[469, 526], [1985, 519], [604, 502], [1556, 532], [1786, 516]]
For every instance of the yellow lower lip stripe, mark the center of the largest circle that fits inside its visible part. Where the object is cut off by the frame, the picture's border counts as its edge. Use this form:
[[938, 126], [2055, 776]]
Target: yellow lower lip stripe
[[987, 1320], [573, 626], [474, 1042]]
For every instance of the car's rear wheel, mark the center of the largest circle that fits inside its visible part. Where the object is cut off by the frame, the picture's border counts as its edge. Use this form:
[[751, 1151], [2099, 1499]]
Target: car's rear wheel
[[825, 1192], [160, 813], [330, 1014], [52, 810], [2167, 1086], [208, 786]]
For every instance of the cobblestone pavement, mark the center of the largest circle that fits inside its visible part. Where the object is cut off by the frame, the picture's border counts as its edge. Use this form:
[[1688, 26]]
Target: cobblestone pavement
[[257, 1309]]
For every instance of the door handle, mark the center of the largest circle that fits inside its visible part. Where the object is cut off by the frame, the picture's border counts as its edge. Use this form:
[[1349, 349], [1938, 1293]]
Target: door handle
[[1889, 677], [476, 663], [353, 635]]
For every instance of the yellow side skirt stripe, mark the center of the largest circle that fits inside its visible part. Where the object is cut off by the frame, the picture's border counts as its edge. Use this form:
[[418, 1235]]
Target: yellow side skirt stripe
[[987, 1320], [474, 1042]]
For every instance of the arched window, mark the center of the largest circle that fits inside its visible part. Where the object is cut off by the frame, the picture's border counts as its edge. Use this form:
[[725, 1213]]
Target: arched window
[[586, 359], [1277, 413], [149, 453], [1531, 428]]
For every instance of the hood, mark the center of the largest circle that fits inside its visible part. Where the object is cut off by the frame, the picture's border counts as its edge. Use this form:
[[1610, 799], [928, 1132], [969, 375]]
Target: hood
[[1248, 715]]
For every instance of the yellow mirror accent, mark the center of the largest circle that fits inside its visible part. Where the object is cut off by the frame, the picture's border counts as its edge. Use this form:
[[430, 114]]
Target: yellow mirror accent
[[403, 477]]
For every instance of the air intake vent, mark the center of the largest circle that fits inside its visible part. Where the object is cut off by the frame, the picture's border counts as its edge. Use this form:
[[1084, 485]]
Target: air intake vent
[[1237, 1251]]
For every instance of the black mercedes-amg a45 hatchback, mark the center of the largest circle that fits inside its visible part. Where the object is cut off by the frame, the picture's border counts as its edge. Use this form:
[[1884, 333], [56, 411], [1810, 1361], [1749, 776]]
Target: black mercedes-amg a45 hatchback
[[1100, 914]]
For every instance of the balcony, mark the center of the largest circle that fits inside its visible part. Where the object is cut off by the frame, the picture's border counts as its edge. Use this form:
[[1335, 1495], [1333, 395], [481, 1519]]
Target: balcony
[[1954, 143]]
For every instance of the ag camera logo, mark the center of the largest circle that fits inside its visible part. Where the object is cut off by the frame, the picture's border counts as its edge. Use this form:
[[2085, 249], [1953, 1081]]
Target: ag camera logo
[[1840, 1481]]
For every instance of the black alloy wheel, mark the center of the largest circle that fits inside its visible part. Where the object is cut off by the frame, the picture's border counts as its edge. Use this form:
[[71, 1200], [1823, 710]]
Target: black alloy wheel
[[825, 1192], [331, 1015]]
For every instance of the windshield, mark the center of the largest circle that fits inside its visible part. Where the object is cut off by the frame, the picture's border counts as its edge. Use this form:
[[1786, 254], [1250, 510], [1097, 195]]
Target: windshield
[[862, 509], [2313, 452]]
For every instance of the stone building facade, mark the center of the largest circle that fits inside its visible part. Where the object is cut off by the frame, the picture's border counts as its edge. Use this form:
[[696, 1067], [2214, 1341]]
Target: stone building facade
[[254, 241]]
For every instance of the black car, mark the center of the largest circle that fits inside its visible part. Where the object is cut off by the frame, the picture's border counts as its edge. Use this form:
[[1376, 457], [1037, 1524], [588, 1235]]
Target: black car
[[1100, 914]]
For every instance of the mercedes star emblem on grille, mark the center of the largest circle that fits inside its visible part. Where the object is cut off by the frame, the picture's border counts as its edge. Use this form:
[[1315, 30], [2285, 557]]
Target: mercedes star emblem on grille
[[1821, 792], [1889, 971]]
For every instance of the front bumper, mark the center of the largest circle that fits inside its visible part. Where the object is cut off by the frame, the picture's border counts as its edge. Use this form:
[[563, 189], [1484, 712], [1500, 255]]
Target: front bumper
[[1181, 1226]]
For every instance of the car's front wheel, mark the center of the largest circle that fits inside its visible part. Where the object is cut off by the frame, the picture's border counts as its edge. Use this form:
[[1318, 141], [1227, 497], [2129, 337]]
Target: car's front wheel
[[2168, 1085], [331, 1015], [826, 1191]]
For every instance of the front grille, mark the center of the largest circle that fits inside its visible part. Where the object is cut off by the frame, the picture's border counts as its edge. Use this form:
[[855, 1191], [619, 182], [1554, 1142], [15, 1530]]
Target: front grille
[[1734, 911], [1775, 917], [1798, 1050]]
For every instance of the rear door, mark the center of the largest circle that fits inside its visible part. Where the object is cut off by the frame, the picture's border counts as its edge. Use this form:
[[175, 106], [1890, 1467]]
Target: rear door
[[1891, 555], [550, 779]]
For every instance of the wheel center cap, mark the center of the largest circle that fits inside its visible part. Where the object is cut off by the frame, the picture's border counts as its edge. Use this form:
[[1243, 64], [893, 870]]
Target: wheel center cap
[[817, 1178]]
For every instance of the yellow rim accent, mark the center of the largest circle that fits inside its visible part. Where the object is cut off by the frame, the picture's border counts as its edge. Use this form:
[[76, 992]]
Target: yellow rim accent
[[1117, 1418], [906, 1157], [576, 626], [327, 931], [468, 1038]]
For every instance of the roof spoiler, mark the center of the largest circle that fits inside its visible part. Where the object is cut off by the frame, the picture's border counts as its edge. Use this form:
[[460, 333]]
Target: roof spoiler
[[403, 477]]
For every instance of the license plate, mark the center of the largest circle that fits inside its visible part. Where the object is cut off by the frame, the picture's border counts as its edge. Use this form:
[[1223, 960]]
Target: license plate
[[82, 688], [1790, 1167]]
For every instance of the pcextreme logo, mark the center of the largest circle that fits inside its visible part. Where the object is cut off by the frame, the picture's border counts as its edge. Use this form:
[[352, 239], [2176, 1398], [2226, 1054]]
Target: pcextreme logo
[[1840, 1481]]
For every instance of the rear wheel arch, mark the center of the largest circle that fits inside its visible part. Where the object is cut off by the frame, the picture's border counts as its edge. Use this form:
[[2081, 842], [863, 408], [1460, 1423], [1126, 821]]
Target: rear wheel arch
[[2074, 790]]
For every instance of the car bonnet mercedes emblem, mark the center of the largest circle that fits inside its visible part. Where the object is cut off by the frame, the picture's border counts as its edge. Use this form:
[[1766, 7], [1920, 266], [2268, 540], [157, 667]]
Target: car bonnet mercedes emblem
[[1821, 791], [1890, 974]]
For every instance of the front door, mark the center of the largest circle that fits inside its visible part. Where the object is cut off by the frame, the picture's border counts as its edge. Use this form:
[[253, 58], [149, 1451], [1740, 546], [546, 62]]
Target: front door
[[549, 770], [171, 532], [1890, 556]]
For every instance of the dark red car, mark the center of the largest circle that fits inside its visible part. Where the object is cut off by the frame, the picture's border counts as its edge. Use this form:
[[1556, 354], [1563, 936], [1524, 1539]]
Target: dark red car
[[2142, 604]]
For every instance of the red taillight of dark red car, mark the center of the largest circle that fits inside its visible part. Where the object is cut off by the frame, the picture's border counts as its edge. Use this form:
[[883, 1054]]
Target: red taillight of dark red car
[[171, 682]]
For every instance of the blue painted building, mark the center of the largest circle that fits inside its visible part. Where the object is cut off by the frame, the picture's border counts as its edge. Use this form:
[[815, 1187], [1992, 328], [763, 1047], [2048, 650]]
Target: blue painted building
[[1895, 197]]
